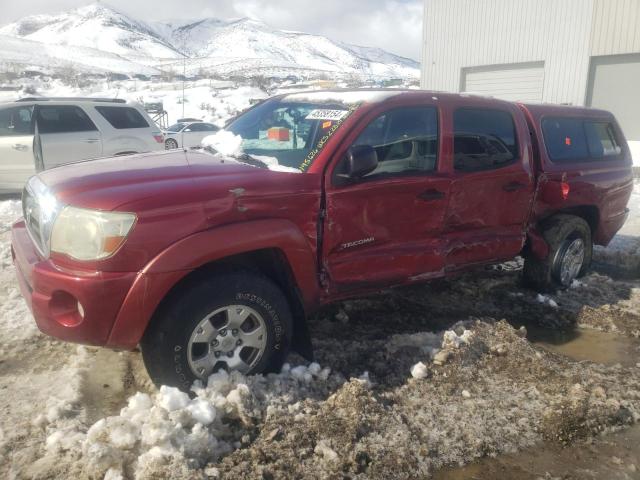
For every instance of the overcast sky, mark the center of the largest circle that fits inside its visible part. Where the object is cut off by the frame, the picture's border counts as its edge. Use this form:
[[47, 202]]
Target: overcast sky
[[395, 25]]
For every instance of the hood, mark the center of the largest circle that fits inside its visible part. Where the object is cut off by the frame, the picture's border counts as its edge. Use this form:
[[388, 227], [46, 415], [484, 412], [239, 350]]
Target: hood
[[129, 182]]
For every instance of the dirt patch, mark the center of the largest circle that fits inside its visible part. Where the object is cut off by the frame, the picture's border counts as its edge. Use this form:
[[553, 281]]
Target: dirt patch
[[497, 394], [612, 457]]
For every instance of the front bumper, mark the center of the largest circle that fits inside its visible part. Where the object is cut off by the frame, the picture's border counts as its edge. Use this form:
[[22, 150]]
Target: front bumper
[[54, 294]]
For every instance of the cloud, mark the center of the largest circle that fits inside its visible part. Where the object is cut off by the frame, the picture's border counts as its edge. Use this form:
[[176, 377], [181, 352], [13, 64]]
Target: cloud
[[394, 25]]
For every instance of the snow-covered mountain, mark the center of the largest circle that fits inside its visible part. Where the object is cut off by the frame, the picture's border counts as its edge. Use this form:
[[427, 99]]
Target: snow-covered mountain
[[95, 26], [250, 39], [224, 47]]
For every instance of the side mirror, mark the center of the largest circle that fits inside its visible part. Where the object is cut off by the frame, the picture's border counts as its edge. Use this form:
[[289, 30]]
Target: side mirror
[[361, 159], [187, 129]]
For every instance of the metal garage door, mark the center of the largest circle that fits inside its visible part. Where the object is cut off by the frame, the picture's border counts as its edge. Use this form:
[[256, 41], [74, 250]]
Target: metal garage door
[[614, 84], [517, 81]]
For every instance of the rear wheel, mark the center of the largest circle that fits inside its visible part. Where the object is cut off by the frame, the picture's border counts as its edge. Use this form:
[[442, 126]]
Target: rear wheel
[[234, 322], [570, 251], [170, 144]]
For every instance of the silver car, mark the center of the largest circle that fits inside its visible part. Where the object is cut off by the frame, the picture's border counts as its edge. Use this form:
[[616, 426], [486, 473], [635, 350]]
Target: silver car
[[188, 134]]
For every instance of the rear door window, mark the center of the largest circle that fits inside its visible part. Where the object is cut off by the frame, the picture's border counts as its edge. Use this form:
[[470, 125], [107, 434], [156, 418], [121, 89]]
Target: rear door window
[[63, 119], [483, 139], [16, 121], [123, 117], [572, 139]]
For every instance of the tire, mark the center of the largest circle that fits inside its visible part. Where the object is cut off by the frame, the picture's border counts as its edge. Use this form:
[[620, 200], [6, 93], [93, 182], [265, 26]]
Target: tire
[[185, 337], [563, 234], [170, 144]]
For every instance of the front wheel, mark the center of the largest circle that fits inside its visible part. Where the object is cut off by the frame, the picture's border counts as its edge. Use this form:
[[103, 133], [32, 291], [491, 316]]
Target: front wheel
[[170, 144], [570, 251], [235, 322]]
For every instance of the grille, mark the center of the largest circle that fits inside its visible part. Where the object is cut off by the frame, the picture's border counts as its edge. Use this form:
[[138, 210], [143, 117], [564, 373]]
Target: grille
[[31, 212]]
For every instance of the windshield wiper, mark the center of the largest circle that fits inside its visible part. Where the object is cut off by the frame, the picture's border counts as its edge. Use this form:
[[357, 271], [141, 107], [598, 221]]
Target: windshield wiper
[[249, 160], [241, 157]]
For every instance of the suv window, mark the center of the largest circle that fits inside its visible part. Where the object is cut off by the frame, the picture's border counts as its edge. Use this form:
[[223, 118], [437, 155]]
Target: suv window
[[579, 139], [405, 139], [63, 119], [483, 139], [123, 117], [16, 121]]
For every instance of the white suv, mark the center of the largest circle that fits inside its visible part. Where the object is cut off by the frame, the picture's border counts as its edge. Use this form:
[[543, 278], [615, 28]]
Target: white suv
[[40, 133]]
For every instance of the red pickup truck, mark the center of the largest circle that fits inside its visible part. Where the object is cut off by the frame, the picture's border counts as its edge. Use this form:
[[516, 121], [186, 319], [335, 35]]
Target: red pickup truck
[[213, 259]]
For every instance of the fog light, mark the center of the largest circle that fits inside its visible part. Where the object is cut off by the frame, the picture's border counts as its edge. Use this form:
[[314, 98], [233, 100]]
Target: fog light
[[66, 309]]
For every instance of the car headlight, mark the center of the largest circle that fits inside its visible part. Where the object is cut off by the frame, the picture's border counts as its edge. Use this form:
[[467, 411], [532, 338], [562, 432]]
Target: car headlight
[[40, 209], [85, 234]]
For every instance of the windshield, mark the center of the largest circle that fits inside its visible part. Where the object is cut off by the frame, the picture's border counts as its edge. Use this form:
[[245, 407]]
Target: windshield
[[288, 133], [177, 127]]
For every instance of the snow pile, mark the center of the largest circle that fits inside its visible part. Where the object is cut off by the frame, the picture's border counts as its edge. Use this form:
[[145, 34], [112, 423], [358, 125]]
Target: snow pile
[[372, 96], [16, 321], [426, 342], [229, 144], [171, 427], [452, 340], [546, 300], [224, 142], [438, 347], [419, 370]]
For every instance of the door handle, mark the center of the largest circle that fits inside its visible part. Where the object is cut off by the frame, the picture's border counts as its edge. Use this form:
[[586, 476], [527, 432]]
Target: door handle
[[513, 186], [431, 194], [92, 140], [20, 147]]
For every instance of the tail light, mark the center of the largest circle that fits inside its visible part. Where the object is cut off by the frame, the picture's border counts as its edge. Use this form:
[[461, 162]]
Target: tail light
[[566, 188], [159, 137]]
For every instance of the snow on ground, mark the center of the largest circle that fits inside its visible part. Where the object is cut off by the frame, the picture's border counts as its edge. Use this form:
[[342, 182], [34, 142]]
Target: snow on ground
[[406, 382], [204, 99], [624, 250]]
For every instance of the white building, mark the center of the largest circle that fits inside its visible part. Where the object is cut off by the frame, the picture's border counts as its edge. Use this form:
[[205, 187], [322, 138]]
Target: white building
[[579, 52]]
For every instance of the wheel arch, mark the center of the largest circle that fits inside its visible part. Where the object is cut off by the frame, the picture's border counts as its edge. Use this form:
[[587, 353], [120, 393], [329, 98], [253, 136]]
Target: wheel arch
[[274, 248], [271, 263], [589, 213], [536, 243]]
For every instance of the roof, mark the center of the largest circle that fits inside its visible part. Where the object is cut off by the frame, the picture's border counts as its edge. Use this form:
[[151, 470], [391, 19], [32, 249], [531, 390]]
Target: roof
[[67, 100], [375, 95]]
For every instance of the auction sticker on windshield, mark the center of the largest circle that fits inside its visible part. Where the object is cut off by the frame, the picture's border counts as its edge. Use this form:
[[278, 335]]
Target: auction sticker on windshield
[[323, 114]]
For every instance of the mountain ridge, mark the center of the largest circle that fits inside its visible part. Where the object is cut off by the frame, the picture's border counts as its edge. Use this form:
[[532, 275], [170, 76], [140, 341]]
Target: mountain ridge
[[204, 44]]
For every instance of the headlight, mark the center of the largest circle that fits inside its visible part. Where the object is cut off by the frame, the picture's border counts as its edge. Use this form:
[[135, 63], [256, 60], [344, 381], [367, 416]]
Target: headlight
[[40, 209], [90, 234]]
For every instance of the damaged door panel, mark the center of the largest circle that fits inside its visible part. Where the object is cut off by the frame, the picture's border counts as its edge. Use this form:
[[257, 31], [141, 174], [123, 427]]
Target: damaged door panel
[[493, 186], [386, 226]]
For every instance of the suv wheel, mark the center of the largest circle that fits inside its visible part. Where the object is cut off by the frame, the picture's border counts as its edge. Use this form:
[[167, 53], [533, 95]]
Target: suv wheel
[[170, 144], [236, 322], [570, 250]]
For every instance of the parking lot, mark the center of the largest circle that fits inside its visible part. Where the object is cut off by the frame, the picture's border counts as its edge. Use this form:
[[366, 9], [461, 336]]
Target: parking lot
[[534, 373]]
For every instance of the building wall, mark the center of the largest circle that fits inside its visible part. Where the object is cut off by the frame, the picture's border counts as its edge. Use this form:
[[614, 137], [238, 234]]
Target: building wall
[[616, 27], [470, 33]]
